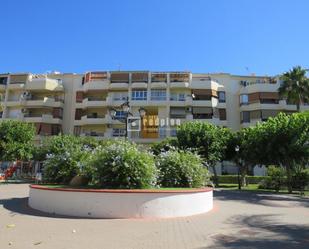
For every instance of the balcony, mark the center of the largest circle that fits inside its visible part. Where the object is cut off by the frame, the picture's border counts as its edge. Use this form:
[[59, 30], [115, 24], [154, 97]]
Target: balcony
[[214, 121], [45, 102], [16, 86], [41, 82], [119, 80], [96, 135], [259, 87], [281, 105], [41, 118], [179, 80], [96, 85], [90, 119], [205, 83], [92, 102], [139, 80], [158, 80]]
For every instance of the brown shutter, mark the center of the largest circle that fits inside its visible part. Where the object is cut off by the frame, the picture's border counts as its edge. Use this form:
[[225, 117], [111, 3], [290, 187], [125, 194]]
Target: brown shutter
[[78, 114], [22, 78], [87, 77], [159, 77], [202, 92], [79, 97], [98, 76], [222, 114], [254, 97], [57, 112], [38, 128], [269, 95], [179, 77], [202, 110], [119, 77], [139, 77], [77, 130], [45, 129], [208, 92]]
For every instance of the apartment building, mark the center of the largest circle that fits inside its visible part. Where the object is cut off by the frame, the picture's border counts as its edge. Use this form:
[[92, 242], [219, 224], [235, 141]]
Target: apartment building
[[82, 104]]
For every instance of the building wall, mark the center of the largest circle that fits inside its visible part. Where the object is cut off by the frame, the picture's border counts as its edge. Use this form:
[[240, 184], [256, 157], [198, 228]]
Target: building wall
[[29, 97]]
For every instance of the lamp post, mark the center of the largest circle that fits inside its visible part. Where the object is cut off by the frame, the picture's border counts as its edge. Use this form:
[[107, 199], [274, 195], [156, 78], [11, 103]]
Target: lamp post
[[126, 110], [238, 166]]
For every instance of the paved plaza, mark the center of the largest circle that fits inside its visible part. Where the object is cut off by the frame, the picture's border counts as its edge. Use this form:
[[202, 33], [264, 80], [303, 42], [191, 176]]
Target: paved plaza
[[238, 220]]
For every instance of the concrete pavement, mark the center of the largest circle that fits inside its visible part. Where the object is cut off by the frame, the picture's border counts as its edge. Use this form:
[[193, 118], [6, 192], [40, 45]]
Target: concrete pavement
[[238, 220]]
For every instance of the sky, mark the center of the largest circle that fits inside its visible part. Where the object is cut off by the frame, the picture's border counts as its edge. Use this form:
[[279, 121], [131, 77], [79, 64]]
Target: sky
[[265, 37]]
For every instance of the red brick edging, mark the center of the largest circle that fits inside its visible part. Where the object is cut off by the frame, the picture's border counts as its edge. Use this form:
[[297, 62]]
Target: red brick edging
[[132, 191]]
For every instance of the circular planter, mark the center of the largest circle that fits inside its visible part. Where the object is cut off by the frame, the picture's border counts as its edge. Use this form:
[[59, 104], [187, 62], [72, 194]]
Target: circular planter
[[112, 203]]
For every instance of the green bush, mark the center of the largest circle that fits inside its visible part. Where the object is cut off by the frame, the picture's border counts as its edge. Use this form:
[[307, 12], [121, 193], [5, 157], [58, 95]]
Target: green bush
[[277, 177], [164, 145], [233, 179], [66, 157], [122, 165], [300, 179], [181, 169]]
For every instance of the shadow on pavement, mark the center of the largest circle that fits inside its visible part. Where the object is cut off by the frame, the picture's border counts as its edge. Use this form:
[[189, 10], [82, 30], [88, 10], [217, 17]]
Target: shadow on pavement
[[266, 199], [262, 231], [20, 206]]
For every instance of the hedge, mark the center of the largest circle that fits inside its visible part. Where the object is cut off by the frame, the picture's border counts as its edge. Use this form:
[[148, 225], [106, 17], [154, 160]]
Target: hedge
[[234, 179]]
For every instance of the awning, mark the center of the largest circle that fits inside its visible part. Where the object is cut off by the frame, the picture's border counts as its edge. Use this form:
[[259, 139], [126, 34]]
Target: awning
[[119, 77], [269, 95], [139, 77], [178, 111], [202, 110]]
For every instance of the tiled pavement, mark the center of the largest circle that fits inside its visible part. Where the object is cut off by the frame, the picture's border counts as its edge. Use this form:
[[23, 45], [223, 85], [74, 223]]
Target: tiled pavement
[[238, 220]]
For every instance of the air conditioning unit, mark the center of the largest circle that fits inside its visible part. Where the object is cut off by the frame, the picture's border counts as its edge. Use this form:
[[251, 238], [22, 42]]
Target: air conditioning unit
[[189, 109]]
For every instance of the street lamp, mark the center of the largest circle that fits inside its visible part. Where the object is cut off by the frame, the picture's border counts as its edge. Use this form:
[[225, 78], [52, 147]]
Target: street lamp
[[237, 148], [126, 110]]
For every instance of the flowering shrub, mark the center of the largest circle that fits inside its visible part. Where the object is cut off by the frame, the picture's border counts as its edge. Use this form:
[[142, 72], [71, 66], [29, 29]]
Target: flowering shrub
[[167, 144], [66, 157], [181, 169], [122, 164]]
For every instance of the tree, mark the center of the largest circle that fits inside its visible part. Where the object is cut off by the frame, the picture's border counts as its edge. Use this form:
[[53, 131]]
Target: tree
[[241, 151], [208, 140], [16, 140], [282, 140], [295, 86]]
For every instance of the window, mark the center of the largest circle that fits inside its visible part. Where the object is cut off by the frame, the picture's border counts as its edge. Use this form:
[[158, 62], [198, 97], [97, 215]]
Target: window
[[178, 97], [202, 116], [162, 132], [139, 95], [173, 132], [119, 132], [3, 80], [244, 99], [158, 94], [245, 117], [120, 96], [221, 97], [120, 114]]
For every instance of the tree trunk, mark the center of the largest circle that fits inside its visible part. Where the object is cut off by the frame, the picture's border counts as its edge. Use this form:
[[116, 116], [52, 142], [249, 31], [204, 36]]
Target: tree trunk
[[215, 175], [243, 177], [298, 107], [289, 178]]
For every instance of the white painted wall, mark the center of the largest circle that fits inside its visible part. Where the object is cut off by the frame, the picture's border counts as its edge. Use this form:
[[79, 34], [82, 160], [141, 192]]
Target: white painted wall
[[121, 205]]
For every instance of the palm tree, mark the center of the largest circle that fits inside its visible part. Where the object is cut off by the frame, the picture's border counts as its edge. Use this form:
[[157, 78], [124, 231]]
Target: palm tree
[[295, 86]]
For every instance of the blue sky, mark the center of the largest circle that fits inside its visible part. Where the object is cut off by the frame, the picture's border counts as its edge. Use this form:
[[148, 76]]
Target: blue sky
[[234, 36]]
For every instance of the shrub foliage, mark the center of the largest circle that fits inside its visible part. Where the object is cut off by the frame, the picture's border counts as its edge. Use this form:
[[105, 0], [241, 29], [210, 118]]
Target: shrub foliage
[[181, 169]]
